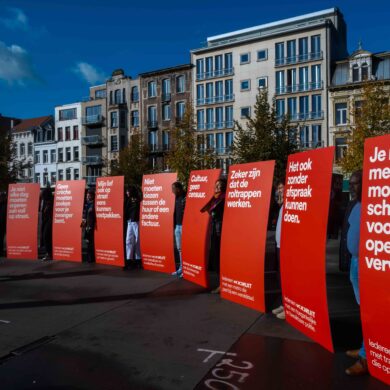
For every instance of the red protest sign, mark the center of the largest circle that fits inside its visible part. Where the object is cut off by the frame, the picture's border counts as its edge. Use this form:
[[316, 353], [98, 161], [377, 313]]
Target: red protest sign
[[374, 256], [22, 221], [196, 224], [67, 217], [303, 243], [109, 200], [156, 225], [244, 233]]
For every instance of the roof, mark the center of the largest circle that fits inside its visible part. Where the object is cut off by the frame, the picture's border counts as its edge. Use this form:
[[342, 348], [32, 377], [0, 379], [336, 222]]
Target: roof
[[166, 70], [28, 124]]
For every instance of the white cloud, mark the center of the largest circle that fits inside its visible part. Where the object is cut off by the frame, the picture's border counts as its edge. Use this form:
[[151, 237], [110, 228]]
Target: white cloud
[[15, 65], [15, 19], [89, 73]]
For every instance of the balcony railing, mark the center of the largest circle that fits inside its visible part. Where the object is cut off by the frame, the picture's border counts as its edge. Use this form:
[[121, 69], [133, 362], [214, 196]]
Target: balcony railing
[[166, 97], [295, 88], [92, 160], [92, 119], [117, 102], [215, 74], [92, 140], [311, 144], [304, 116], [215, 125], [152, 125], [215, 149], [90, 180], [215, 100], [297, 59]]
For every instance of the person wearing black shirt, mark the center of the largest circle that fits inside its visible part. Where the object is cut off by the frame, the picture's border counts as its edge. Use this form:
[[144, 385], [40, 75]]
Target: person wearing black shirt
[[132, 211], [47, 221], [180, 202], [3, 220], [89, 225]]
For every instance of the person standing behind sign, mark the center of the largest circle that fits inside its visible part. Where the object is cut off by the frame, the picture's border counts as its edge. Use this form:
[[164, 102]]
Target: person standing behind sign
[[47, 222], [3, 220], [89, 224], [215, 207], [132, 212], [353, 240], [180, 203]]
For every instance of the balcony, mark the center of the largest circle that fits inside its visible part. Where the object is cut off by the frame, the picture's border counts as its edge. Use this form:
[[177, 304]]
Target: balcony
[[90, 180], [303, 116], [303, 145], [220, 151], [152, 125], [166, 97], [296, 88], [92, 160], [215, 100], [215, 125], [93, 140], [117, 103], [298, 59], [215, 74], [92, 120]]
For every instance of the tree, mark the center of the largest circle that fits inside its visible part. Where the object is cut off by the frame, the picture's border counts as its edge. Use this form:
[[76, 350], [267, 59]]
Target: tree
[[371, 120], [265, 137], [132, 162], [186, 153], [9, 167]]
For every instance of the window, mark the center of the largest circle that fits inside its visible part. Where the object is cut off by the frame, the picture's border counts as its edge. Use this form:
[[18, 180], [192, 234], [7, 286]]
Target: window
[[152, 140], [200, 69], [291, 80], [53, 178], [315, 46], [38, 178], [75, 132], [180, 84], [316, 136], [209, 67], [364, 71], [60, 174], [262, 55], [245, 58], [165, 140], [38, 136], [219, 118], [280, 108], [341, 148], [218, 65], [355, 73], [111, 99], [292, 108], [122, 119], [279, 53], [166, 112], [228, 63], [316, 76], [117, 97], [100, 94], [67, 133], [200, 94], [30, 148], [22, 148], [262, 82], [45, 156], [229, 90], [68, 174], [152, 89], [209, 92], [134, 94], [316, 106], [49, 135], [291, 52], [304, 78], [124, 95], [152, 114], [76, 174], [304, 136], [114, 143], [210, 141], [52, 156], [200, 119], [93, 114], [303, 44], [219, 143], [341, 113], [358, 105], [60, 155], [135, 118], [68, 154], [59, 134], [245, 85], [229, 117], [70, 113], [166, 88], [37, 157], [114, 119], [245, 112], [180, 110], [280, 88], [45, 179], [219, 91], [228, 140], [76, 155], [304, 107], [210, 118]]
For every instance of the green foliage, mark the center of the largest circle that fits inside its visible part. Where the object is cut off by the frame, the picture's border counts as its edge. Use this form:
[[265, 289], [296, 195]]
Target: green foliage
[[373, 119], [9, 168], [264, 137]]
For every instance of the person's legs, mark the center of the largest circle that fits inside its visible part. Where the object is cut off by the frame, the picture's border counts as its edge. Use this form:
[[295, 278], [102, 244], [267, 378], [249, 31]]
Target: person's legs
[[128, 241], [178, 234], [137, 247]]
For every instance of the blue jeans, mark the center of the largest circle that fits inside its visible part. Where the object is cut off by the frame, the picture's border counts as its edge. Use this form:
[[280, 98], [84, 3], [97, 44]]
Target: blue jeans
[[178, 233], [354, 278]]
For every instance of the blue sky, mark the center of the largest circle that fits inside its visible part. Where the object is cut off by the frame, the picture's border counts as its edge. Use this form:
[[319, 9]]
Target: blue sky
[[52, 50]]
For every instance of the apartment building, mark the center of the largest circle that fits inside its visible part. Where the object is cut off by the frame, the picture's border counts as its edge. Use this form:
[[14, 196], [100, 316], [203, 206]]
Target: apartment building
[[29, 158], [94, 155], [68, 125], [345, 92], [291, 57], [165, 94]]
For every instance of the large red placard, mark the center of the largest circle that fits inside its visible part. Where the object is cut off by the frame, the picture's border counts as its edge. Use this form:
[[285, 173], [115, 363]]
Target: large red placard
[[196, 224], [109, 200], [303, 243], [244, 233], [22, 221], [374, 256], [67, 217], [156, 222]]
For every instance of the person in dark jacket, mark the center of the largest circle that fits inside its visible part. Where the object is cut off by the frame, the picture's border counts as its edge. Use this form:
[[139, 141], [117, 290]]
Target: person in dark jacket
[[3, 220], [180, 203], [47, 221], [132, 212], [89, 225], [215, 207]]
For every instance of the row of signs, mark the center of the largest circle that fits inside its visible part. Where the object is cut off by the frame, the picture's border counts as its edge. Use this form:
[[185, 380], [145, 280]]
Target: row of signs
[[244, 233]]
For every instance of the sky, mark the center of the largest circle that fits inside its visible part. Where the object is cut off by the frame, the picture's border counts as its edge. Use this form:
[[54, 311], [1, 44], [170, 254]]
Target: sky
[[51, 51]]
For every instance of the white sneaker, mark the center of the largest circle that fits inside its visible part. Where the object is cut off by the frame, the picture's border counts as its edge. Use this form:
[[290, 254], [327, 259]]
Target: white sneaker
[[278, 310], [281, 315]]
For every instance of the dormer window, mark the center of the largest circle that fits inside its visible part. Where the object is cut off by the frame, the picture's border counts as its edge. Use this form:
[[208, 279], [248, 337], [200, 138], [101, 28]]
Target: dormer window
[[364, 70], [355, 73]]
